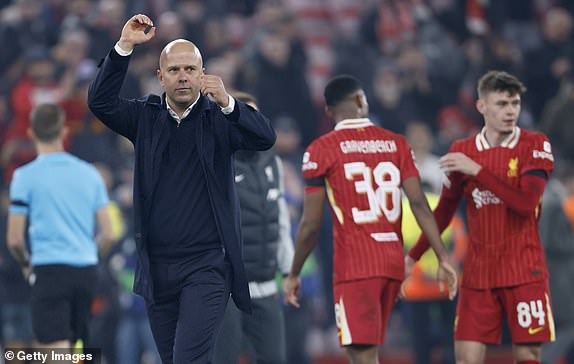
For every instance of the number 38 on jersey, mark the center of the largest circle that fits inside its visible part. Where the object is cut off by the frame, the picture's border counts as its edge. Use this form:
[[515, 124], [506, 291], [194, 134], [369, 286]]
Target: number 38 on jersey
[[381, 187]]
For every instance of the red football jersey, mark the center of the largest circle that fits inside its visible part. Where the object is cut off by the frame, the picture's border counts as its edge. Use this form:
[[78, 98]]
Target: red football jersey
[[504, 247], [363, 167]]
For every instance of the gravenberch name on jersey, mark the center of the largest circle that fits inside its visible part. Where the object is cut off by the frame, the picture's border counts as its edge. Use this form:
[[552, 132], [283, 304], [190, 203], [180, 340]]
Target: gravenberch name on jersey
[[368, 146]]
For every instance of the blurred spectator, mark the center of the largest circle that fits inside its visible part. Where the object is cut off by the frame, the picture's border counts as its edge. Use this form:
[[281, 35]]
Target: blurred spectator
[[216, 39], [557, 236], [134, 340], [420, 138], [388, 24], [193, 14], [453, 124], [417, 84], [275, 73], [548, 65], [106, 26], [392, 106], [39, 85], [105, 309], [23, 28], [15, 311], [76, 16], [556, 120]]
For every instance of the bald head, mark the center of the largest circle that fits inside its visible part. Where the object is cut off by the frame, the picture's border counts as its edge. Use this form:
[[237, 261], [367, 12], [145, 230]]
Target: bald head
[[180, 73], [176, 47]]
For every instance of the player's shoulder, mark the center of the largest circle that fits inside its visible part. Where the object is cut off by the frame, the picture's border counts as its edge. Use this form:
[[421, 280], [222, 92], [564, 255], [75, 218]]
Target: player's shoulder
[[537, 144], [84, 167], [325, 141], [533, 137], [24, 170]]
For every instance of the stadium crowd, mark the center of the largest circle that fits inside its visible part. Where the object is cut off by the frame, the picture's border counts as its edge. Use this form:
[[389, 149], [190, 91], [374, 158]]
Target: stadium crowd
[[419, 61]]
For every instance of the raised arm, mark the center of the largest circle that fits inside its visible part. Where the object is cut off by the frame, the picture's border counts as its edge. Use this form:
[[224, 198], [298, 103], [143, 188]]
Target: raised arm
[[103, 95]]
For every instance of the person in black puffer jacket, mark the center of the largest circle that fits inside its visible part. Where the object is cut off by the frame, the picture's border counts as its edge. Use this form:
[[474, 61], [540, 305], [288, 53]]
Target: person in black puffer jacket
[[267, 249]]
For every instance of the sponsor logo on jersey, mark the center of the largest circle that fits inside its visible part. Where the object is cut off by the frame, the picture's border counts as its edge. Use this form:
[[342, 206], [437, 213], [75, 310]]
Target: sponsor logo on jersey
[[307, 164], [537, 154], [483, 198], [512, 167]]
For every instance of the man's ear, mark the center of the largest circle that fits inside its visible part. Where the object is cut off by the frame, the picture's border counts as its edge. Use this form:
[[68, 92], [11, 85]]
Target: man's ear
[[480, 106], [358, 100], [159, 77], [65, 131], [30, 133], [329, 112]]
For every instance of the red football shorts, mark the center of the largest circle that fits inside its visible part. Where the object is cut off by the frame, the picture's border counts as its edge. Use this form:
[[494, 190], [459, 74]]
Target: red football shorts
[[527, 307], [362, 309]]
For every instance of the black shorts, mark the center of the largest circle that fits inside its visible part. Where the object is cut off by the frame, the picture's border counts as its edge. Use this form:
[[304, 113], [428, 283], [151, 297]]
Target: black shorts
[[61, 300]]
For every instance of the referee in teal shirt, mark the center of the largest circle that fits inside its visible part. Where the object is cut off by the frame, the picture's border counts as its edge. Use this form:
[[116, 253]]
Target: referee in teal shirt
[[57, 200]]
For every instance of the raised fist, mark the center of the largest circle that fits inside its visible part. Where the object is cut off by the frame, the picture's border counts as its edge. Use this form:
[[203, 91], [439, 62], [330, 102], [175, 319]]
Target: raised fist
[[134, 32]]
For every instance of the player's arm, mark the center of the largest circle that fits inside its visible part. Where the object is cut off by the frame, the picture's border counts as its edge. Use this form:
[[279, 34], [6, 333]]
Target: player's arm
[[425, 219], [16, 238], [443, 214], [105, 235], [307, 236], [522, 200]]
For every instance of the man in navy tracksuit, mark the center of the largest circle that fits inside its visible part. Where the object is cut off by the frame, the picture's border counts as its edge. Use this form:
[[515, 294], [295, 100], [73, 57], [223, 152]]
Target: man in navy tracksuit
[[186, 211]]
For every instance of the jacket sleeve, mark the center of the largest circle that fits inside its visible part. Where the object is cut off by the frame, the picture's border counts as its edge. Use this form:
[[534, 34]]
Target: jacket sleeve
[[104, 101], [250, 129]]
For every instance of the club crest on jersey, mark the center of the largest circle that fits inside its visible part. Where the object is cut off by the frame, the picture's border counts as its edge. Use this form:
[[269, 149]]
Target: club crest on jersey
[[512, 167]]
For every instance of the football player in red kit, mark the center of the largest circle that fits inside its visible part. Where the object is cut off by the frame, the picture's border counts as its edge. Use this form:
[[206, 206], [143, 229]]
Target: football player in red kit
[[501, 172], [361, 169]]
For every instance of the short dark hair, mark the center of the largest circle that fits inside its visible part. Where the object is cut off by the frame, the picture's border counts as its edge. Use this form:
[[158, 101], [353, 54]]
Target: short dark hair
[[47, 122], [339, 88], [500, 81]]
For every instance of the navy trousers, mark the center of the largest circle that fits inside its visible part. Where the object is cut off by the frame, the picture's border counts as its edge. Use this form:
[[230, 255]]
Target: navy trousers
[[190, 298]]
